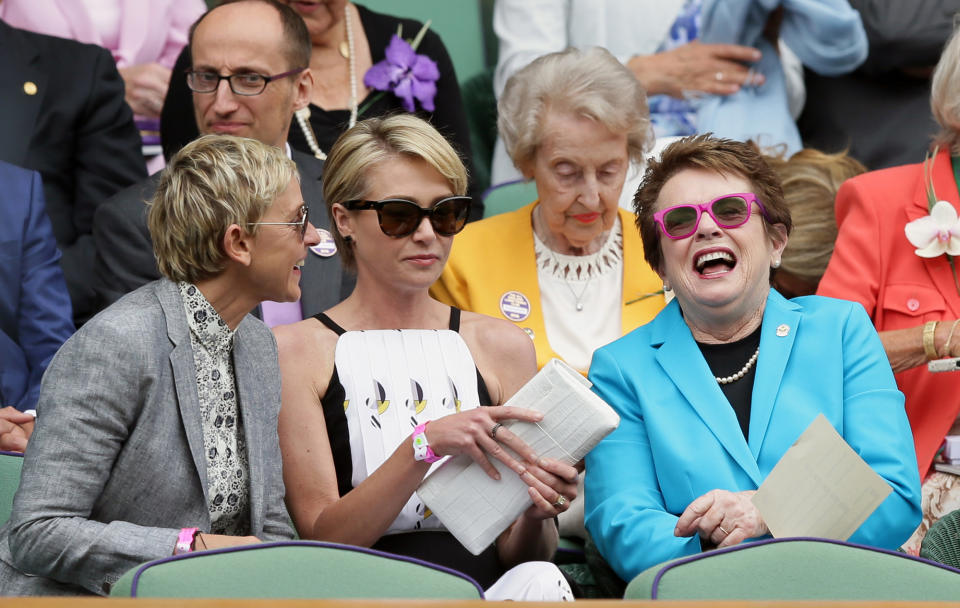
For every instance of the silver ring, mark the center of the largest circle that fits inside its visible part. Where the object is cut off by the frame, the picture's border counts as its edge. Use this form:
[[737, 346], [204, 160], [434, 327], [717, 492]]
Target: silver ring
[[724, 531], [561, 500], [719, 76], [493, 431]]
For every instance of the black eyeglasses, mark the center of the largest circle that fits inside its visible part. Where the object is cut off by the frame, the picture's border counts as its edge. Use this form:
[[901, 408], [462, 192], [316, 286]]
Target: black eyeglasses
[[399, 218], [302, 222], [248, 84]]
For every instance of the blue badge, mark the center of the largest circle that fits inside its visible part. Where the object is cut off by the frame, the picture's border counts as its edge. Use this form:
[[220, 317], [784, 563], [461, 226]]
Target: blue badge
[[327, 247], [514, 306]]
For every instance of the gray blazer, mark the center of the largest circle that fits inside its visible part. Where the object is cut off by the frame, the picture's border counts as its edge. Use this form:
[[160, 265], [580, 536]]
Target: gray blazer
[[116, 463], [124, 250]]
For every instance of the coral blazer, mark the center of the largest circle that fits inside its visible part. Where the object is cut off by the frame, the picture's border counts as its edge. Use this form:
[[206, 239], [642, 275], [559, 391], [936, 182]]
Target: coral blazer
[[874, 264], [495, 256]]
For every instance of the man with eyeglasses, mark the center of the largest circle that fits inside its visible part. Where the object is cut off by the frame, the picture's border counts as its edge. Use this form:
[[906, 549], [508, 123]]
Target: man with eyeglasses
[[248, 76]]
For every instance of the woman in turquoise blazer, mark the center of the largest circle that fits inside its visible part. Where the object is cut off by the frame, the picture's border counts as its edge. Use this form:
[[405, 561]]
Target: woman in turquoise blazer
[[720, 384]]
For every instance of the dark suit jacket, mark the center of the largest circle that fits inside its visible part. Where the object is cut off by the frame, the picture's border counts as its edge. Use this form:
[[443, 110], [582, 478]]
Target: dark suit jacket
[[117, 464], [124, 249], [62, 113], [34, 306]]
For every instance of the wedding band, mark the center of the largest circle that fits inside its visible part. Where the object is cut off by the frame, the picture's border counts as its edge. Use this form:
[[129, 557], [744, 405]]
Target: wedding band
[[724, 531], [719, 76], [561, 500], [493, 431]]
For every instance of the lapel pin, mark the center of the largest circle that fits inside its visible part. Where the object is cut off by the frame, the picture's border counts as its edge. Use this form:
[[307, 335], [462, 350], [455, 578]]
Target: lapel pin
[[29, 88], [514, 306], [327, 247], [782, 330]]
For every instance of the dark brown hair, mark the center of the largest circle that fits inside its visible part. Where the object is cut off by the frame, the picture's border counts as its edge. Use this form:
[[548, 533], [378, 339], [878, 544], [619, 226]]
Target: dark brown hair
[[724, 156]]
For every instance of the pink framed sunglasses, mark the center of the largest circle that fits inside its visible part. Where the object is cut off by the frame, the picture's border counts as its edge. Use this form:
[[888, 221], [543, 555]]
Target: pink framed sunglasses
[[728, 211]]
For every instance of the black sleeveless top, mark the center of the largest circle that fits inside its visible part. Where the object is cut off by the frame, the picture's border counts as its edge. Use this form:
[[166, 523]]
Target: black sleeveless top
[[436, 546]]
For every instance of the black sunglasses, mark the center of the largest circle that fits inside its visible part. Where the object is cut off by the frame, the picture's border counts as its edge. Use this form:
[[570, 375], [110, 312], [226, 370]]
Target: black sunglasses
[[399, 218]]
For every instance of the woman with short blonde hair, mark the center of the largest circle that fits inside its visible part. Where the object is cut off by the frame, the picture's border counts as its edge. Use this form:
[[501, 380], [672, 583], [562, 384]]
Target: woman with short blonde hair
[[174, 390]]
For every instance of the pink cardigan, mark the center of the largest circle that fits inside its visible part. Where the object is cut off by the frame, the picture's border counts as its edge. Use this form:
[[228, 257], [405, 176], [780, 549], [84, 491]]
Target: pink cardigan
[[150, 30]]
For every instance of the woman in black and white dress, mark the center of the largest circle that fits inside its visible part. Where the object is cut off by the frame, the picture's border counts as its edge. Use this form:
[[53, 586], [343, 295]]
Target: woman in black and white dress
[[384, 383]]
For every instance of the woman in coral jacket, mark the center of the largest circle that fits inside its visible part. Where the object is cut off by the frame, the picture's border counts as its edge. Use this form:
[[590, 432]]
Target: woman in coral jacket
[[897, 231]]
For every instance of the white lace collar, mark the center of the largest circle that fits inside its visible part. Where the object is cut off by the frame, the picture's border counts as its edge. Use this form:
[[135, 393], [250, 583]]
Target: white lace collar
[[609, 258]]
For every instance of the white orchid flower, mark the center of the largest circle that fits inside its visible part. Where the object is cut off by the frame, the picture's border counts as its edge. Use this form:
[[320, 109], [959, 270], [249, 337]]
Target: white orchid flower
[[937, 233]]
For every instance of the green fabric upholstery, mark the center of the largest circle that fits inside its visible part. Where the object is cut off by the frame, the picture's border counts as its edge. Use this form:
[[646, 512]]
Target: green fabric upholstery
[[942, 542], [797, 569], [295, 569], [480, 106], [10, 465], [509, 196], [459, 24]]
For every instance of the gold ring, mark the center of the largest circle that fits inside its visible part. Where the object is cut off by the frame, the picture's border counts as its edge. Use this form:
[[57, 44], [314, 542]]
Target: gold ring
[[724, 531], [493, 431], [561, 500]]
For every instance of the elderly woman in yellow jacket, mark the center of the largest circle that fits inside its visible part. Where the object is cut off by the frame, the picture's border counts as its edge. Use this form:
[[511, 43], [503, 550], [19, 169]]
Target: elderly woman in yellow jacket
[[567, 268]]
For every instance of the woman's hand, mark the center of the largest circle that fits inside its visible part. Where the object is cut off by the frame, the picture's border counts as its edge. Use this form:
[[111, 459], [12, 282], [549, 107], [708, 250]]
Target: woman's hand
[[717, 69], [15, 429], [470, 433], [552, 487], [146, 87], [722, 518]]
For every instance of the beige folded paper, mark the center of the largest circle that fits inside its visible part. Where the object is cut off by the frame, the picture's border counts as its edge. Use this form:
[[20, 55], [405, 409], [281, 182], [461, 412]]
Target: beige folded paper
[[476, 508], [820, 487]]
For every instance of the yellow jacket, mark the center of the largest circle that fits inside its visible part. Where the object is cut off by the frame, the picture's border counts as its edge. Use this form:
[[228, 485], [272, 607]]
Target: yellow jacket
[[495, 256]]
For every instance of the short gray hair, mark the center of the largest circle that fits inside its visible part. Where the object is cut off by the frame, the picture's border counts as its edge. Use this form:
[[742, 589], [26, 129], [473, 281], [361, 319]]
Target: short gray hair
[[212, 183], [945, 94], [590, 83]]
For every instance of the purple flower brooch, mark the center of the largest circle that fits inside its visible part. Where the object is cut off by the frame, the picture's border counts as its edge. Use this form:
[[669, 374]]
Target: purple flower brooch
[[406, 74]]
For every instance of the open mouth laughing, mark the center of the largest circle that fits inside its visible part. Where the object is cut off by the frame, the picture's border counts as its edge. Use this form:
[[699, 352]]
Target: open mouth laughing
[[714, 262]]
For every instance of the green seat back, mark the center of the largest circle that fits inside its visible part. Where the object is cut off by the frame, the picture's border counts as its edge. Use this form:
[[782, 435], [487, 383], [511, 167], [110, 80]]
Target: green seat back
[[942, 542], [10, 465], [509, 196], [797, 569], [294, 569], [458, 23]]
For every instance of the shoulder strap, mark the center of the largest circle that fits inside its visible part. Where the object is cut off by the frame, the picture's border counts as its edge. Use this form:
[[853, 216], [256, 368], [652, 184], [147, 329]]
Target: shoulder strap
[[323, 318], [454, 319]]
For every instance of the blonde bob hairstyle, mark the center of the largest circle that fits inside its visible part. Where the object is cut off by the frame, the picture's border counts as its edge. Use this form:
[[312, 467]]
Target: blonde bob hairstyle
[[213, 182], [373, 141], [589, 83], [945, 94], [810, 180]]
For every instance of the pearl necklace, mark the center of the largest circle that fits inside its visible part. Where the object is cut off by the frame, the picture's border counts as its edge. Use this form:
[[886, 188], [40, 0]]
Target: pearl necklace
[[303, 115], [743, 370]]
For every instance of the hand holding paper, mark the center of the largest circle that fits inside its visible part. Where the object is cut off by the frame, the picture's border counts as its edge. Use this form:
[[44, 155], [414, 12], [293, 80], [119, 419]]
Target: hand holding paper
[[476, 508], [820, 487], [722, 518]]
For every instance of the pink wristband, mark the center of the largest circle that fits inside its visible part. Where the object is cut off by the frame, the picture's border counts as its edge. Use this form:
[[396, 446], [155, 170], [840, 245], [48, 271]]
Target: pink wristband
[[421, 448], [185, 541]]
